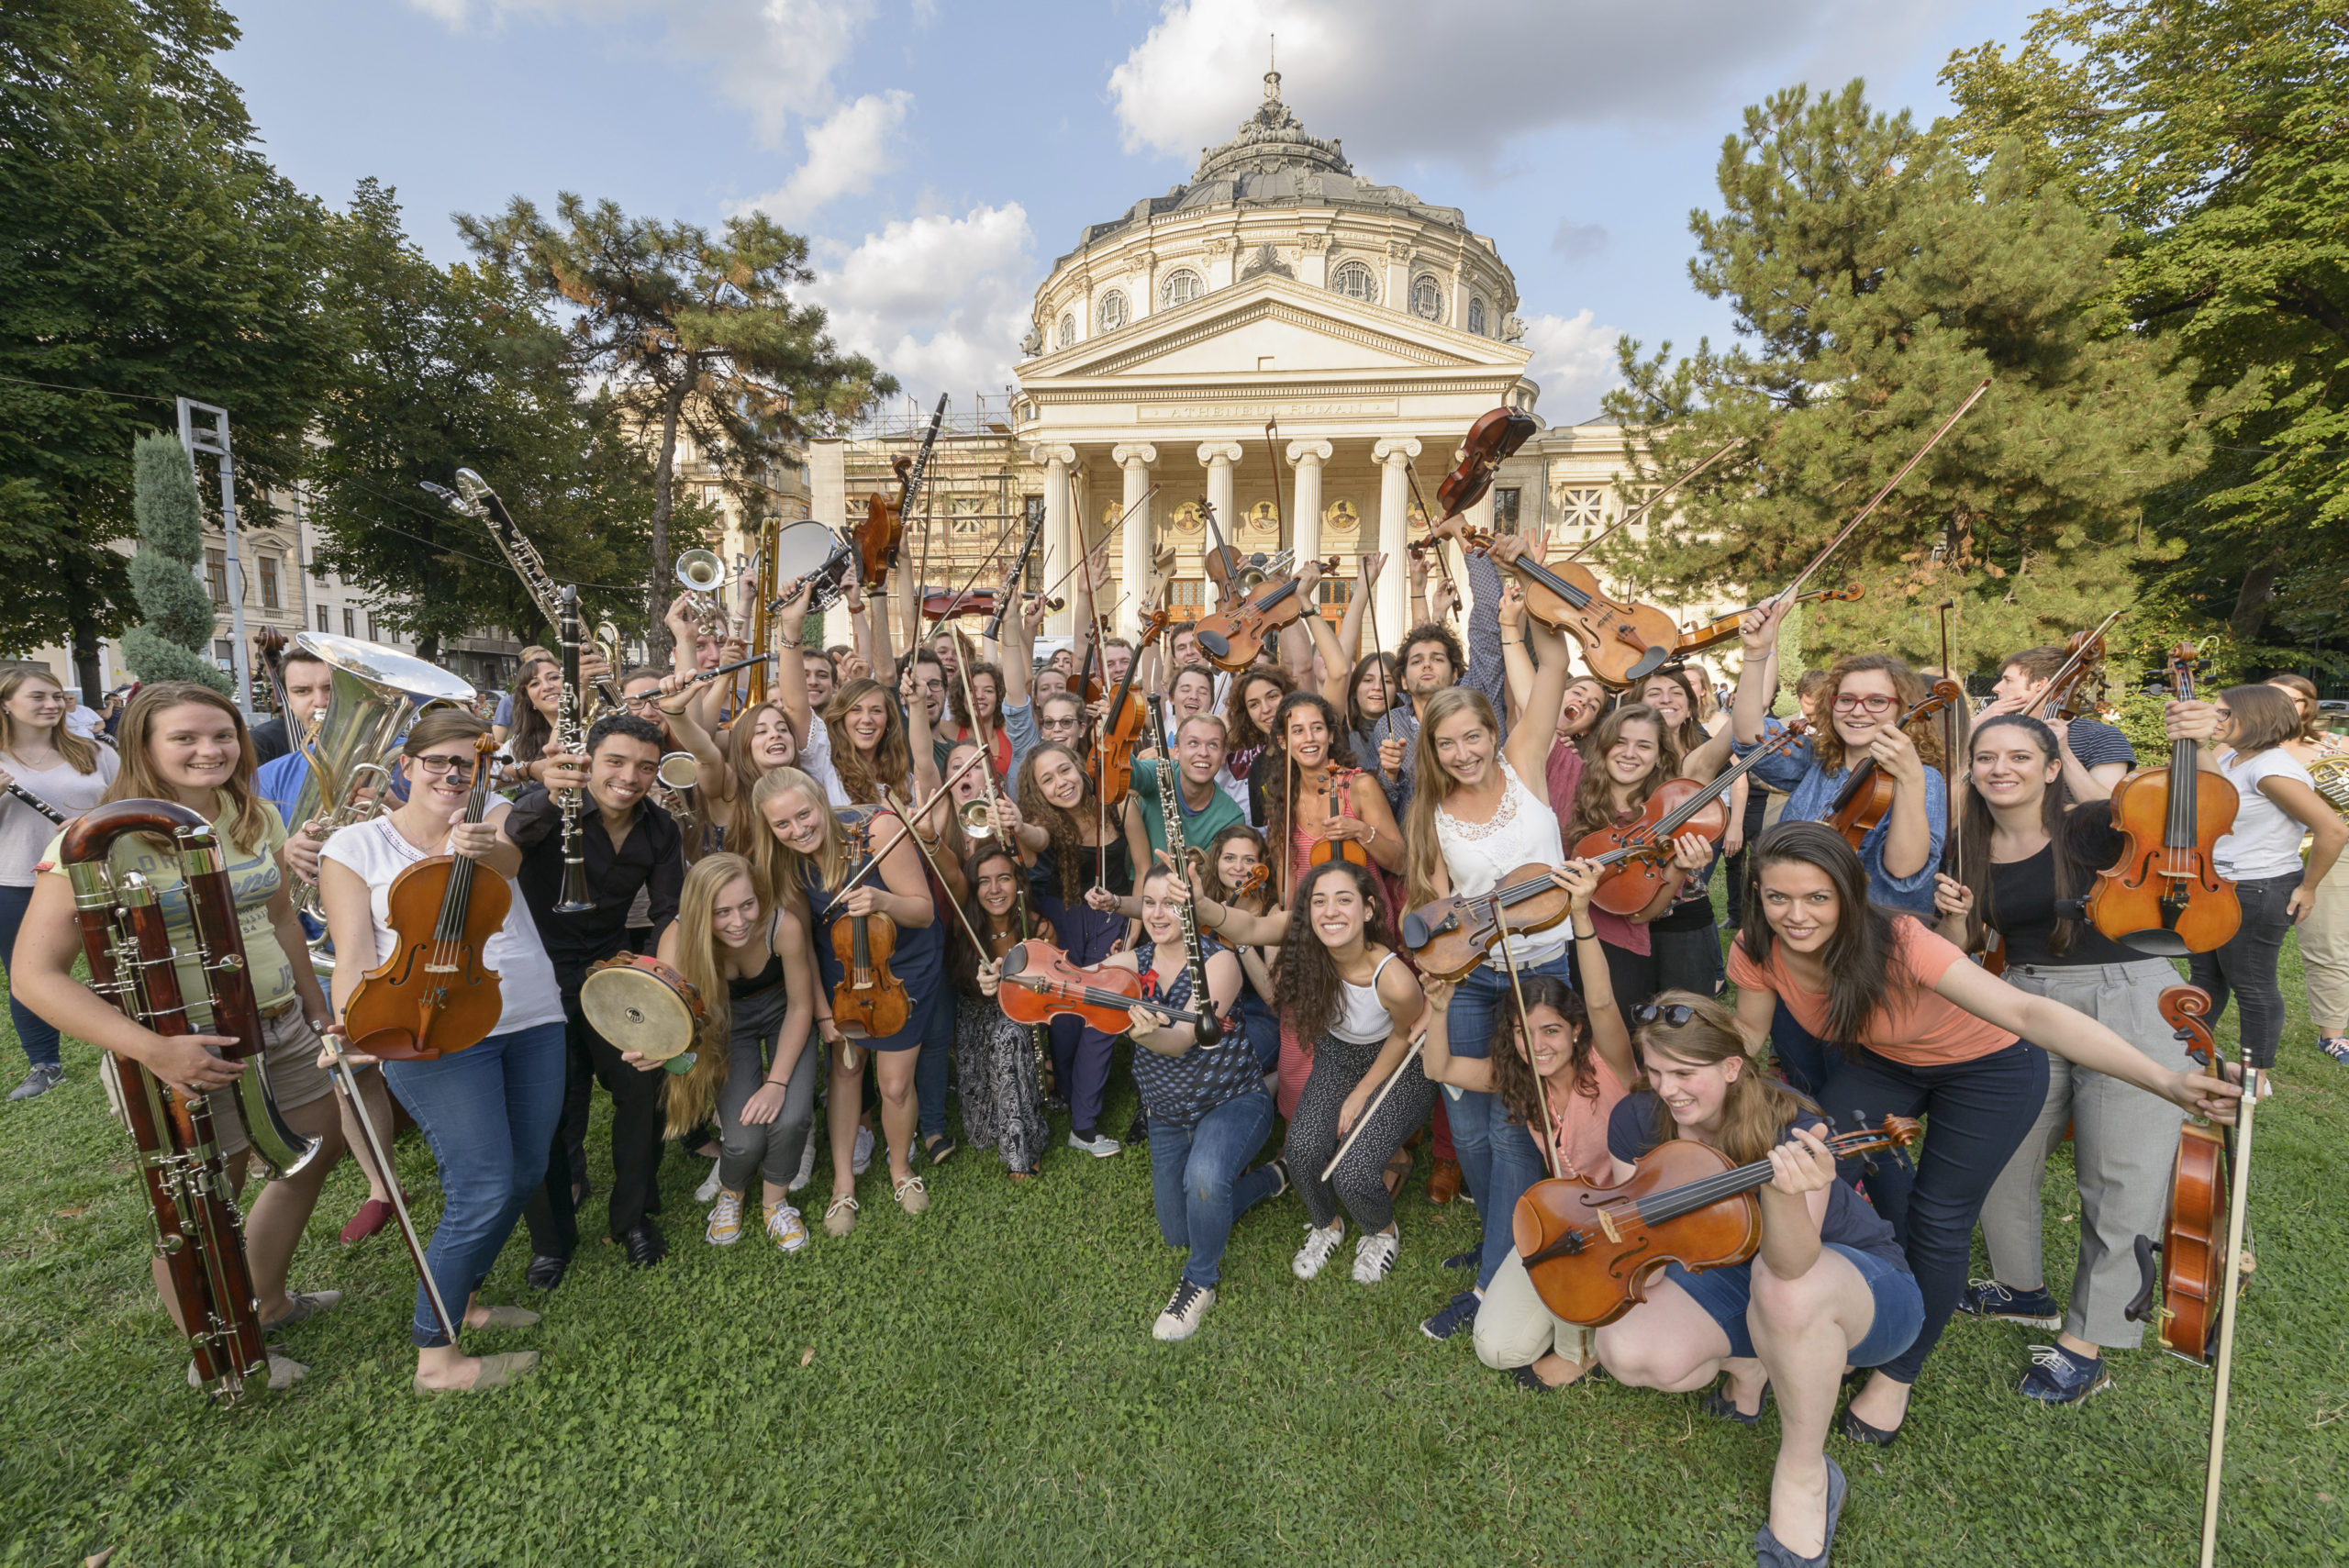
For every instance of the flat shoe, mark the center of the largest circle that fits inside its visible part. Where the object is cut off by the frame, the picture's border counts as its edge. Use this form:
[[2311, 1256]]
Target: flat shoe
[[372, 1216], [508, 1317], [308, 1304], [1859, 1432], [912, 1196], [1769, 1551], [839, 1215], [1720, 1405], [496, 1371], [940, 1149]]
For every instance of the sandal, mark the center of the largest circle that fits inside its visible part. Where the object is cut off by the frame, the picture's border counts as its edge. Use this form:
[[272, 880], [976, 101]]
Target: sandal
[[839, 1215], [911, 1196]]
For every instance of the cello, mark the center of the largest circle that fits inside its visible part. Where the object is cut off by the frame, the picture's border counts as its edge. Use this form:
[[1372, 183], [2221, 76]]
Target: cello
[[2165, 897], [869, 1003], [1867, 795], [434, 996]]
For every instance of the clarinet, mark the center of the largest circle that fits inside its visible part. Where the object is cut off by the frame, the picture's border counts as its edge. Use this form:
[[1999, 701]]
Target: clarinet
[[1170, 806], [566, 738], [36, 803]]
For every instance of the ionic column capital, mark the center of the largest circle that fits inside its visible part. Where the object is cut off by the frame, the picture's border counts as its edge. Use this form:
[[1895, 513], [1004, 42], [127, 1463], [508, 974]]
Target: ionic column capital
[[1213, 453], [1315, 452], [1050, 453], [1129, 454], [1396, 449]]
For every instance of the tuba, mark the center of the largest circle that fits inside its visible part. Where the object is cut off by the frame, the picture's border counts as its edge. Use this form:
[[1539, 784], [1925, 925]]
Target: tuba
[[374, 694], [199, 1236]]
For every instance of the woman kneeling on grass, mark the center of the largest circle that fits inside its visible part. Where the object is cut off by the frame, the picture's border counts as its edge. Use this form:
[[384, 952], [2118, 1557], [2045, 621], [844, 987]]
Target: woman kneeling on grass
[[756, 974], [1829, 1287]]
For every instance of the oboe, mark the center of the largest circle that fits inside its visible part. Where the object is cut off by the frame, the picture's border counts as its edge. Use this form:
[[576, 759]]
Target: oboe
[[566, 740]]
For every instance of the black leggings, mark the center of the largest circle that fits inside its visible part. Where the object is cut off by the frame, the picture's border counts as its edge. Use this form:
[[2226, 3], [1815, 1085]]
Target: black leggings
[[1360, 1184], [1980, 1111]]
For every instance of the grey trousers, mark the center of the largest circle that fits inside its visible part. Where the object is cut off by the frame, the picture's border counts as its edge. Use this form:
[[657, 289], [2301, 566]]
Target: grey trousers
[[2124, 1141], [1515, 1327], [772, 1150]]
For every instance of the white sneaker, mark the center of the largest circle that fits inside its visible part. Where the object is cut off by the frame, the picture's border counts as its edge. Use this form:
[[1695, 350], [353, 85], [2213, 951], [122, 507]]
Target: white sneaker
[[725, 1220], [1099, 1145], [709, 1188], [863, 1155], [785, 1228], [1183, 1309], [1374, 1255], [1318, 1245], [807, 1165]]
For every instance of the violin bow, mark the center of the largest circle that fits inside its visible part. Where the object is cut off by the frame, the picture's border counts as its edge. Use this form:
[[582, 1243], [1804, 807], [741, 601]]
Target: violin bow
[[1889, 485], [906, 826], [1099, 653], [2238, 1198], [1431, 542], [1370, 1111], [1949, 722], [1641, 510], [1525, 1029], [963, 651], [968, 929]]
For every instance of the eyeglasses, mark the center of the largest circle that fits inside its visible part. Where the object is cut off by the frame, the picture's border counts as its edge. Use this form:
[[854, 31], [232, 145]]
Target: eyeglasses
[[1673, 1014], [1846, 703], [641, 699], [436, 766]]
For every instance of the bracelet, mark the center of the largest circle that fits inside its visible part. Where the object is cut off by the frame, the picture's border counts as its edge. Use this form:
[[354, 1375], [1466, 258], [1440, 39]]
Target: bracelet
[[1589, 935]]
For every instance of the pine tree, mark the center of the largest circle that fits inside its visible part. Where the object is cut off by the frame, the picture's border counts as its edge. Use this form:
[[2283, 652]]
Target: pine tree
[[171, 644], [1876, 279]]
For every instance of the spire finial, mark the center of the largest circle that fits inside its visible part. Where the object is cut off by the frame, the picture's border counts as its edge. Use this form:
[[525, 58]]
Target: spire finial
[[1272, 70]]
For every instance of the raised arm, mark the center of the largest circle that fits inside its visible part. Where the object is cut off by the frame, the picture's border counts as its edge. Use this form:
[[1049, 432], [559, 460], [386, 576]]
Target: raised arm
[[1757, 633], [1527, 748], [790, 671], [1610, 1036]]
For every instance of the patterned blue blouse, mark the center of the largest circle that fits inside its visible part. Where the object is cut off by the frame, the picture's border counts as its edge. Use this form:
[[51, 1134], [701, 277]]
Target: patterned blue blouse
[[1810, 791]]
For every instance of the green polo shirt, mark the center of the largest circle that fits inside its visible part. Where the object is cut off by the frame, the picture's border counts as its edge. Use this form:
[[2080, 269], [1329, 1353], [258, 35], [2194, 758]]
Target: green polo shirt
[[1198, 827]]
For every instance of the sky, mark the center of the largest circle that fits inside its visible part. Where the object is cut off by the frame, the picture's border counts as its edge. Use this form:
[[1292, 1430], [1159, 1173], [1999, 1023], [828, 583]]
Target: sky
[[940, 157]]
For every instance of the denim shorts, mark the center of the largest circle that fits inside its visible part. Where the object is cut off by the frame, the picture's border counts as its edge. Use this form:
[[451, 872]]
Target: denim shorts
[[1724, 1294]]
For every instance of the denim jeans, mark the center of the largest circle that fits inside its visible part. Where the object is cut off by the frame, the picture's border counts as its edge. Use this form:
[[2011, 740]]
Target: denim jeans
[[33, 1031], [1807, 1062], [2244, 966], [488, 1114], [1200, 1180], [930, 1067], [1499, 1157]]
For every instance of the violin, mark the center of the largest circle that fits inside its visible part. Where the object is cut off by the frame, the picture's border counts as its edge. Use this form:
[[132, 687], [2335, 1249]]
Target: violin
[[881, 535], [2165, 897], [1121, 725], [2193, 1273], [1349, 849], [941, 604], [1590, 1251], [1492, 440], [1039, 983], [1637, 854], [1867, 795], [432, 995], [2068, 689], [1722, 629], [1621, 643], [869, 1003], [1449, 937]]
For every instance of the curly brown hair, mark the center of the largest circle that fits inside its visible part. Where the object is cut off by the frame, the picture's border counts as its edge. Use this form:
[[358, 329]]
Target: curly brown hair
[[1243, 732], [1513, 1078], [1909, 689], [1069, 847], [1304, 985]]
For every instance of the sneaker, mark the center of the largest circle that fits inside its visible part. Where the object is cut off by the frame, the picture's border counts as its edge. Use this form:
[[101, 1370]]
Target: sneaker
[[807, 1166], [1374, 1255], [1457, 1314], [1989, 1299], [2336, 1046], [1318, 1245], [725, 1220], [709, 1188], [863, 1155], [38, 1082], [1467, 1260], [1138, 1129], [785, 1228], [1099, 1146], [2059, 1377], [1183, 1309]]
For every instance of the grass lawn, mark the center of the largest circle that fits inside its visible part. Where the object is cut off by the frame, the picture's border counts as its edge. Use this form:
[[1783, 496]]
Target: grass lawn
[[979, 1386]]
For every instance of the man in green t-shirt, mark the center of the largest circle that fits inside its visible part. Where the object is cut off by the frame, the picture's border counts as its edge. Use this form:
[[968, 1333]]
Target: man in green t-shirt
[[1207, 810]]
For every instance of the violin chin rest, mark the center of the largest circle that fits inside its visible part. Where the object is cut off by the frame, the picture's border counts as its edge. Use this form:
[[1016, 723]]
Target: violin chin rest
[[1648, 664], [1415, 930], [1214, 644]]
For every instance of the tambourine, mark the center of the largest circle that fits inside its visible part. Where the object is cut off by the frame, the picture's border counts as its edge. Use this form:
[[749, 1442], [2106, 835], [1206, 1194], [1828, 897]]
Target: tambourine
[[641, 1005]]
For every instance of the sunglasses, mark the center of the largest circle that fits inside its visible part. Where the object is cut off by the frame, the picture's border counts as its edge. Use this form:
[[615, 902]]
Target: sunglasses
[[1673, 1014]]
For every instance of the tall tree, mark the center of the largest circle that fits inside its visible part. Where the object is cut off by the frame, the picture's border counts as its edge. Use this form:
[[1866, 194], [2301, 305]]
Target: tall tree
[[459, 367], [170, 641], [2213, 132], [1877, 278], [146, 252], [699, 335]]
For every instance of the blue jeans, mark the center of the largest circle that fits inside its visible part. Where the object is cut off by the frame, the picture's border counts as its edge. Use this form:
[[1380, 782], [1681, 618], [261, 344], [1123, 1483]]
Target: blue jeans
[[488, 1114], [1200, 1180], [33, 1031], [930, 1067], [1499, 1157]]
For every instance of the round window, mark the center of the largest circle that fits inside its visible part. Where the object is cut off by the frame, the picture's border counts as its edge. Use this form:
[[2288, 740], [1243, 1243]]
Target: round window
[[1181, 288], [1427, 298], [1113, 311], [1355, 281]]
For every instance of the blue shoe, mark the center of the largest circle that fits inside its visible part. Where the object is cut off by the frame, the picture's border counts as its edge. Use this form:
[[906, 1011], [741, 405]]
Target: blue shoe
[[1467, 1260], [1769, 1551], [2059, 1377], [1457, 1314], [2335, 1046], [1989, 1299]]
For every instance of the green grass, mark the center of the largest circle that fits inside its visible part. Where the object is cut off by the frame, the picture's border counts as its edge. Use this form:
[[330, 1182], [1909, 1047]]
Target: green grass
[[979, 1386]]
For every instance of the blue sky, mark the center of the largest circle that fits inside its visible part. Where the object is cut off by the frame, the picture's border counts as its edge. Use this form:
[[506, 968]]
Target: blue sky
[[940, 156]]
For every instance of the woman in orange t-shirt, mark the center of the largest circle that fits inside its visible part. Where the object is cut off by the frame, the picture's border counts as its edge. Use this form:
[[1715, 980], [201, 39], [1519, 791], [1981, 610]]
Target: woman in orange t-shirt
[[1921, 1032]]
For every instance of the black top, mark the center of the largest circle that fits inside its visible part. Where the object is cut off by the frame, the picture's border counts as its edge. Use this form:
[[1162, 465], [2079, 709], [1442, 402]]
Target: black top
[[1044, 876], [270, 741], [2095, 743], [1640, 1122], [771, 976], [2023, 893], [652, 858]]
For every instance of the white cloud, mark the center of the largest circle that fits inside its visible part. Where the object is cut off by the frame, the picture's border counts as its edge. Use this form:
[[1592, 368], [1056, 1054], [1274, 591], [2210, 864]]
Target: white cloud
[[845, 154], [1574, 360], [939, 301], [1388, 72]]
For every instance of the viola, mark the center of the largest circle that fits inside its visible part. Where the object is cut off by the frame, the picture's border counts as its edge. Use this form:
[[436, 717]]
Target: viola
[[1722, 629], [1637, 854], [1234, 638], [1039, 984], [1620, 642], [883, 532], [433, 995], [1591, 1251], [2165, 897], [1867, 795], [1451, 937], [1327, 849], [869, 1003], [2193, 1276]]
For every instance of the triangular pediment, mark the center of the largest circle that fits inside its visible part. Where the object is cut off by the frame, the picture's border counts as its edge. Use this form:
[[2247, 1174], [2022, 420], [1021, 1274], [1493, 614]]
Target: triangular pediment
[[1272, 324]]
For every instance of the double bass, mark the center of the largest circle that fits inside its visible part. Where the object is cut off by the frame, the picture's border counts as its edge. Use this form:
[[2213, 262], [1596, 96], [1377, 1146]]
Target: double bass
[[2165, 897]]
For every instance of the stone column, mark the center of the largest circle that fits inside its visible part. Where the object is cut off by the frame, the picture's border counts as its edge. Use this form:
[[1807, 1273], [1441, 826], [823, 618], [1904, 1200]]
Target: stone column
[[1057, 548], [1307, 458], [1140, 534], [1217, 458], [1395, 532]]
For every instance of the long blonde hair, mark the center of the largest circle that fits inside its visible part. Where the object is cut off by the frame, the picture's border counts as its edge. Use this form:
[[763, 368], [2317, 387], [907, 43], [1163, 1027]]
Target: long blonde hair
[[79, 754], [1435, 783], [250, 815], [784, 868], [1757, 1108], [746, 769], [690, 1098]]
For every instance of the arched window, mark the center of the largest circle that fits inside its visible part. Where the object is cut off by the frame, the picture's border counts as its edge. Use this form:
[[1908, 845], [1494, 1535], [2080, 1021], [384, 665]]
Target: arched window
[[1355, 281], [1180, 288], [1477, 316], [1113, 310], [1068, 328], [1427, 298]]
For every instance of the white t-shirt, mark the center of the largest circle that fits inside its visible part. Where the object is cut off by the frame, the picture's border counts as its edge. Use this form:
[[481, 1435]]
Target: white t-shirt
[[378, 853], [24, 833], [2266, 838]]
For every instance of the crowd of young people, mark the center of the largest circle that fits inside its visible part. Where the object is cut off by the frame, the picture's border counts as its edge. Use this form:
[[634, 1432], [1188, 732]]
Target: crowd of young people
[[1321, 793]]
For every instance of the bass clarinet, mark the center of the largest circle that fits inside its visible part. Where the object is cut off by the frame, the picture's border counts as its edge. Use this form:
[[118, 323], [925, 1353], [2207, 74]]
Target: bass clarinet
[[198, 1234]]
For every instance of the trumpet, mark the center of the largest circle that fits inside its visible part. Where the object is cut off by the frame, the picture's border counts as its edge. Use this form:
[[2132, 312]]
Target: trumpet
[[703, 574], [673, 787], [978, 819], [1261, 567]]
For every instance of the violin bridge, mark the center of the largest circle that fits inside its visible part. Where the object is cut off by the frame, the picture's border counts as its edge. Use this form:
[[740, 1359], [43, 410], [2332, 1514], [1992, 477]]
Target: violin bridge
[[1607, 1224]]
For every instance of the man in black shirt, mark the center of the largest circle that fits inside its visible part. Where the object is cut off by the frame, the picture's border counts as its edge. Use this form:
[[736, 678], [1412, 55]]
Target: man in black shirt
[[629, 844]]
